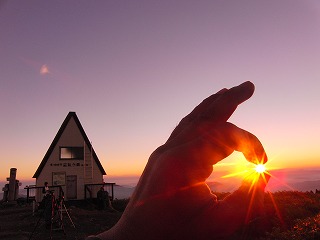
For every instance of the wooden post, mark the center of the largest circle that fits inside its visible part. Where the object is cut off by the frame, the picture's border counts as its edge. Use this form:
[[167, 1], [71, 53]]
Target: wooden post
[[112, 191], [28, 194], [12, 184]]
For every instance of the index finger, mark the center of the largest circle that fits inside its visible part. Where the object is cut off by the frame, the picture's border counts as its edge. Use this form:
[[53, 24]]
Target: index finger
[[194, 114], [221, 109]]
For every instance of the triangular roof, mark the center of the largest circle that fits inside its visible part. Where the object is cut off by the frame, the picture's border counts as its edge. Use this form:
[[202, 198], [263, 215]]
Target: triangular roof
[[57, 137]]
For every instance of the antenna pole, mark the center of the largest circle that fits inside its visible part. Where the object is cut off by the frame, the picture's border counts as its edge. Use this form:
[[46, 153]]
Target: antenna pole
[[84, 161], [91, 163]]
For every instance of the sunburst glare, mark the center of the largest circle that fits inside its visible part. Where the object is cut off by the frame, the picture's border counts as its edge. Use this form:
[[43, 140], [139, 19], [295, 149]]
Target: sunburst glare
[[254, 173], [260, 168]]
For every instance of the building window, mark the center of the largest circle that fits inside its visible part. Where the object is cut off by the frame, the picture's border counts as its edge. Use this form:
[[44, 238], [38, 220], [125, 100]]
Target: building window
[[58, 178], [71, 153]]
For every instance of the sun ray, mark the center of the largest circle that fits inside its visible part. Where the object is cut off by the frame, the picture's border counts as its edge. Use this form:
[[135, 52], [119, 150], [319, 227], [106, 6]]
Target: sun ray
[[276, 208], [235, 174], [252, 172]]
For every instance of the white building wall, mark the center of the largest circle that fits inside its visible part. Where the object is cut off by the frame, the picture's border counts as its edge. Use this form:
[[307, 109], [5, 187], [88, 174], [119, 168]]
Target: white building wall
[[71, 137]]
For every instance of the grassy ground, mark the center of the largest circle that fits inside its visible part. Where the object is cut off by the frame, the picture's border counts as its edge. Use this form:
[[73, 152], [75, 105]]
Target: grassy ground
[[288, 215], [19, 222]]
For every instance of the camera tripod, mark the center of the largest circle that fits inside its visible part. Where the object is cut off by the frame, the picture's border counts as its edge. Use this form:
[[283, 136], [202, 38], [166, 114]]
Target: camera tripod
[[53, 214]]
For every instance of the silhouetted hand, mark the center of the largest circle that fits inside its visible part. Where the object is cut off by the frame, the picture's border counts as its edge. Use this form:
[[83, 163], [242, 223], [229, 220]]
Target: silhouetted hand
[[172, 200]]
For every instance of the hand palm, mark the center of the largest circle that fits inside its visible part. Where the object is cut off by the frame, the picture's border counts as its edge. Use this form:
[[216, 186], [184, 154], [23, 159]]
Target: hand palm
[[172, 200]]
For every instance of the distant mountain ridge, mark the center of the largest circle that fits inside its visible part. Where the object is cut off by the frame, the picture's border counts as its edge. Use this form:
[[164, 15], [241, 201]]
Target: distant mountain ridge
[[282, 180]]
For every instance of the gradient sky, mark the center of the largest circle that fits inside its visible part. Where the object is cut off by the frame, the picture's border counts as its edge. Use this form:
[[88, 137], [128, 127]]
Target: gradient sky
[[132, 69]]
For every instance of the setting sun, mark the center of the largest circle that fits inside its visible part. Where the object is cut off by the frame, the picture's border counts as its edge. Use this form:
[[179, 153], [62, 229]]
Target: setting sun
[[260, 168]]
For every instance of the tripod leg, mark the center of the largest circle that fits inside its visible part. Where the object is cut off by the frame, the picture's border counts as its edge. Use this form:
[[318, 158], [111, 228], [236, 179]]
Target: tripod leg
[[46, 204], [64, 206], [52, 214], [60, 218], [35, 226]]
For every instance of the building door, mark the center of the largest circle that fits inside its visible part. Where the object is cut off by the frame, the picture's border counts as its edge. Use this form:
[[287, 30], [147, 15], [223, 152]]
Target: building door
[[72, 187]]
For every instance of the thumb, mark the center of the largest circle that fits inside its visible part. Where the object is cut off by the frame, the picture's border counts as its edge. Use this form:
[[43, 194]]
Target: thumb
[[250, 196], [237, 210]]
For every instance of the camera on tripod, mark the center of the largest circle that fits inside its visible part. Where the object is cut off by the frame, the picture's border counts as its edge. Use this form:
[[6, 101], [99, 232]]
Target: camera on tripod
[[51, 192], [53, 210]]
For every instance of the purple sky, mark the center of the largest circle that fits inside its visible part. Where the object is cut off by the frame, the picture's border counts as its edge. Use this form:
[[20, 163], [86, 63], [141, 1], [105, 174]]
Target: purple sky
[[132, 69]]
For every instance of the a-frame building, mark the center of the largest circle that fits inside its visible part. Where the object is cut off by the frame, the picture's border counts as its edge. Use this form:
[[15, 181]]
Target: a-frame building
[[70, 162]]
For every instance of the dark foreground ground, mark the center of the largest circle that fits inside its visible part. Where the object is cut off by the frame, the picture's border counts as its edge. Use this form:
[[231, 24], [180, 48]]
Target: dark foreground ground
[[19, 223], [288, 215]]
